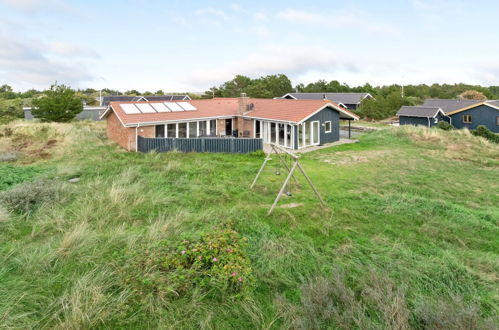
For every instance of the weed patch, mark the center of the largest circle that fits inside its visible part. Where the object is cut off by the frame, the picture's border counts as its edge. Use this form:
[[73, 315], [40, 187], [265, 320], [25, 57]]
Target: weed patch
[[12, 175], [215, 261], [28, 196]]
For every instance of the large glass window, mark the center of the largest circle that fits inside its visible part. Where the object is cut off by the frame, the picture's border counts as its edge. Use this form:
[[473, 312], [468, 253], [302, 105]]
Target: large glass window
[[202, 128], [193, 129], [171, 130], [280, 134], [182, 130], [315, 132], [258, 129], [213, 127], [289, 141], [272, 132], [307, 128], [160, 131], [300, 135]]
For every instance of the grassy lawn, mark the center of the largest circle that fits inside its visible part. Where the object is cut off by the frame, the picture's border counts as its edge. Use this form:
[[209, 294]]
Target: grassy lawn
[[409, 238]]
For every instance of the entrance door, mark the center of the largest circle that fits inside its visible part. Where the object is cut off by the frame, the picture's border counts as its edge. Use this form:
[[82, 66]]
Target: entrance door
[[228, 127], [315, 132]]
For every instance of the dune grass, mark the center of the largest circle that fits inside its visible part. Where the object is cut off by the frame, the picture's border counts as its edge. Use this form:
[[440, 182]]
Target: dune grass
[[409, 238]]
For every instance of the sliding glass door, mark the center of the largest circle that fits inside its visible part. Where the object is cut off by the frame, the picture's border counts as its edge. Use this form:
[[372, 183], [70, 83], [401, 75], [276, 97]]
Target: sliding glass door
[[315, 125]]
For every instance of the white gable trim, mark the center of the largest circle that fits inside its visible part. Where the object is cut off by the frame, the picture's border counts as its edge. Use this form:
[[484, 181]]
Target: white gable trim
[[289, 94], [492, 106], [337, 108]]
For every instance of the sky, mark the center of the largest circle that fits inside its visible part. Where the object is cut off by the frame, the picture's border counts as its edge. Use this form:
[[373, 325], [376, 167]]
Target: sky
[[190, 46]]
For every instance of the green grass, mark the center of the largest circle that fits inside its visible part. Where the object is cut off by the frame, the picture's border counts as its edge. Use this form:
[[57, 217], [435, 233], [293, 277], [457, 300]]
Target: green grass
[[11, 175], [409, 238]]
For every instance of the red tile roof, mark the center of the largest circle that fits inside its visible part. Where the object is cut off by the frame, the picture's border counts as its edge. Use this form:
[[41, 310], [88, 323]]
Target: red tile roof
[[273, 109], [292, 110]]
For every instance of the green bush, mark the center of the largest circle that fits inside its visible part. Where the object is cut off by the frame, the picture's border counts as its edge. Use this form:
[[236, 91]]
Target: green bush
[[216, 260], [445, 126], [27, 196], [12, 175], [486, 133]]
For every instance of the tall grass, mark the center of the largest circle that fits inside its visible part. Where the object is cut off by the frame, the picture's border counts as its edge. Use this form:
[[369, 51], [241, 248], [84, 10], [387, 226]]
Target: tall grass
[[409, 238]]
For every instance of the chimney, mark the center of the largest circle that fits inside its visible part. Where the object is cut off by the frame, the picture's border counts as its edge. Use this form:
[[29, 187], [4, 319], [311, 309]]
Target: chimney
[[243, 102]]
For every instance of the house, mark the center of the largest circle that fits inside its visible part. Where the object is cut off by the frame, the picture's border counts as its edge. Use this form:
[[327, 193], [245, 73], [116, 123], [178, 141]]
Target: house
[[424, 116], [459, 113], [88, 113], [349, 101], [290, 123], [105, 100]]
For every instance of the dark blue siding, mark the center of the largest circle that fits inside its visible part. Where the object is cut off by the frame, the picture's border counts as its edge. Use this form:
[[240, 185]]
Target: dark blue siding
[[327, 114], [481, 115], [226, 145], [416, 121]]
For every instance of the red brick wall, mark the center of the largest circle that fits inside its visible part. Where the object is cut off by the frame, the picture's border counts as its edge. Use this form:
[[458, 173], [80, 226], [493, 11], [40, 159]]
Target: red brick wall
[[124, 136], [147, 131]]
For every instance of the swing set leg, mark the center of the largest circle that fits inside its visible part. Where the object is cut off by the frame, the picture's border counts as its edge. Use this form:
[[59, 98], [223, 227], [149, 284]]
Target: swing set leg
[[260, 171], [283, 187]]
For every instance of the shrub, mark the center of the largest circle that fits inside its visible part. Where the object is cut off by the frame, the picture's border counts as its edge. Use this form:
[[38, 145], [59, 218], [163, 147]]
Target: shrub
[[12, 175], [453, 314], [486, 133], [28, 196], [445, 126], [216, 260]]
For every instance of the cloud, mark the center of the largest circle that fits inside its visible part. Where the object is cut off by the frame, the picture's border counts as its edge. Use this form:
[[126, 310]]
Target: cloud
[[211, 13], [67, 49], [33, 6], [27, 63], [290, 60], [351, 19]]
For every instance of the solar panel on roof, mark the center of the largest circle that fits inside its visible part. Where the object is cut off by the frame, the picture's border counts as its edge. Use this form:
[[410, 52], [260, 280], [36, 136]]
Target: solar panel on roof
[[145, 108], [160, 107], [173, 106], [129, 108], [187, 106]]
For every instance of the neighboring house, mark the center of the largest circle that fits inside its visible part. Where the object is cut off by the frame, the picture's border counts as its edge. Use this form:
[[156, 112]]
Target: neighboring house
[[122, 98], [425, 116], [349, 101], [290, 123], [459, 113], [89, 113]]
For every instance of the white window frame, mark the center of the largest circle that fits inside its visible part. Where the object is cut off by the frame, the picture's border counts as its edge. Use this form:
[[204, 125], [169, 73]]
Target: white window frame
[[330, 126]]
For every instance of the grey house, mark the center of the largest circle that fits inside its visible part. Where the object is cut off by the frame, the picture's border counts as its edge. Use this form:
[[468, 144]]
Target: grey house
[[459, 113], [349, 101], [88, 113], [420, 115]]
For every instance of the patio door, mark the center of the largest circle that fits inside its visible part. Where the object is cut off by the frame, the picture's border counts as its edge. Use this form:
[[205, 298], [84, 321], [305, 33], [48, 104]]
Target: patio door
[[315, 125], [228, 127]]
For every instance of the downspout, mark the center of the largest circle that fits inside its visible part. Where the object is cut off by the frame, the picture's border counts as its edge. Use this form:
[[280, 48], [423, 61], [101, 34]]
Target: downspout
[[428, 121]]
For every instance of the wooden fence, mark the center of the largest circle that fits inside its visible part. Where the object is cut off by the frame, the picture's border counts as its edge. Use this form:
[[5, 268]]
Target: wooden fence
[[227, 145]]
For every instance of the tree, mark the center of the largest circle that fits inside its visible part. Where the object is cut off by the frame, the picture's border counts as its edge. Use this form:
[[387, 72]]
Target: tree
[[159, 92], [132, 92], [60, 103], [472, 95]]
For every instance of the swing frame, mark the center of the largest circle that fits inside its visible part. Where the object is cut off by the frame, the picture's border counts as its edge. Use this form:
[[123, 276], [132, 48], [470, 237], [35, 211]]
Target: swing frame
[[296, 164]]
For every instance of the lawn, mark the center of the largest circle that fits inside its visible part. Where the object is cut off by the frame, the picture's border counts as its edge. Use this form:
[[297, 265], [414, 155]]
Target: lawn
[[409, 237]]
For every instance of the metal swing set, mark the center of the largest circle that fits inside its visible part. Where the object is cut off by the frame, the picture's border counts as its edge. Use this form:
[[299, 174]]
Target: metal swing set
[[290, 162]]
